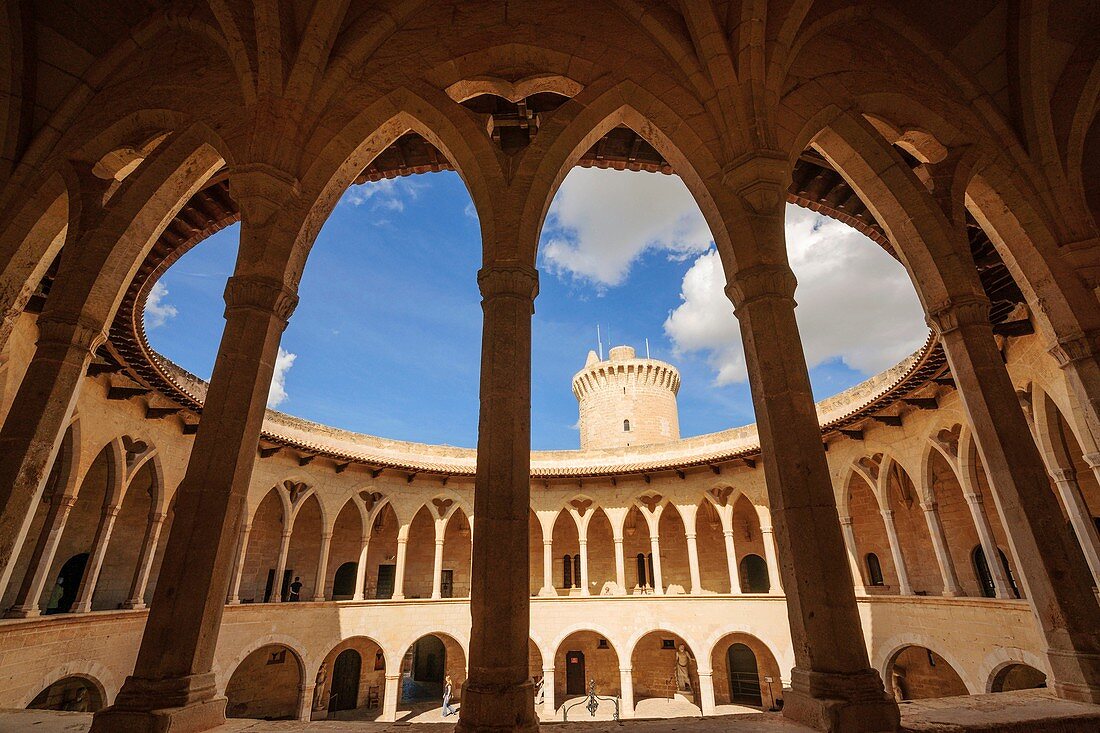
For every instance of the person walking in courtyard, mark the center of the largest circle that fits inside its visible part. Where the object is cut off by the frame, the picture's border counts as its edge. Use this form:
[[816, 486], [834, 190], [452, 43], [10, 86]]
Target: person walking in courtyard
[[447, 685], [295, 590]]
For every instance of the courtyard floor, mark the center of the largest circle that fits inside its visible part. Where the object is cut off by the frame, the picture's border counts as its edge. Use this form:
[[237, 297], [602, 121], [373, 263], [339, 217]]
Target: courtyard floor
[[1033, 711]]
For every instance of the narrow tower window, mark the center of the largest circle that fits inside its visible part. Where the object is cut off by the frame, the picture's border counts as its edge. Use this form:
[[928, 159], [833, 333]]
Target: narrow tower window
[[626, 426]]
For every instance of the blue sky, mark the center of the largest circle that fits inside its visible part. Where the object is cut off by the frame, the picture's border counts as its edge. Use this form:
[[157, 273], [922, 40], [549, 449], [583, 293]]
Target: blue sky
[[386, 338]]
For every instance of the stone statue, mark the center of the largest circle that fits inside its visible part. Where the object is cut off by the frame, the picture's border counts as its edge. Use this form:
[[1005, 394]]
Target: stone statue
[[320, 700], [683, 676], [896, 685]]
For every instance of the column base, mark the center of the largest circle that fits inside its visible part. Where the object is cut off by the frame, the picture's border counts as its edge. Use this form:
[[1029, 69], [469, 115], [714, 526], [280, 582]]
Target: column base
[[134, 605], [23, 612], [841, 703], [1076, 675], [193, 718], [548, 592], [490, 708]]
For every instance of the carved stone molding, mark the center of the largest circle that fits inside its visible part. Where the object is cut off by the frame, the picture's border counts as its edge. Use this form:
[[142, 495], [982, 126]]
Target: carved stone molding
[[442, 506], [760, 178], [761, 281], [508, 279], [261, 294], [1075, 348], [55, 329], [958, 312]]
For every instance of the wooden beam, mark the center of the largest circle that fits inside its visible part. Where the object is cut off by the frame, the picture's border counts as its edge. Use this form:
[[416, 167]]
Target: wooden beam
[[891, 420], [341, 467], [646, 477], [946, 381], [410, 477], [156, 413], [125, 393], [375, 472], [922, 403], [681, 474], [96, 368], [305, 460], [190, 428], [269, 451], [853, 434], [1022, 327], [749, 462], [716, 469]]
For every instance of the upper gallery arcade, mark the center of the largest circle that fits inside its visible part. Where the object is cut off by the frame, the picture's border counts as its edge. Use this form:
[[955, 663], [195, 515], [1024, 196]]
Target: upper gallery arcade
[[929, 532]]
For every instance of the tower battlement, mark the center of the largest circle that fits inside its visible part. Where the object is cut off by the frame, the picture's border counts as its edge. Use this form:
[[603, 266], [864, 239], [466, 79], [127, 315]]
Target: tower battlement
[[625, 401]]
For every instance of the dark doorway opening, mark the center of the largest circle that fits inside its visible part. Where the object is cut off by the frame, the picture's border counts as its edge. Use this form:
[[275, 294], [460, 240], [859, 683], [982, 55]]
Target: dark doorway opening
[[343, 583], [423, 669], [744, 676], [574, 673], [384, 586], [754, 575], [67, 584], [346, 671]]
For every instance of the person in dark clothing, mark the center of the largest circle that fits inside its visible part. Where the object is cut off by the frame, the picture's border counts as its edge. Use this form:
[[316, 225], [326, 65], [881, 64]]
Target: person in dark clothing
[[295, 590]]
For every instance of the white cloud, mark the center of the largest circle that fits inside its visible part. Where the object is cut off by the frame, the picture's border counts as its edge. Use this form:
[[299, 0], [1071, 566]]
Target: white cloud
[[602, 221], [157, 311], [855, 302], [283, 362], [389, 194]]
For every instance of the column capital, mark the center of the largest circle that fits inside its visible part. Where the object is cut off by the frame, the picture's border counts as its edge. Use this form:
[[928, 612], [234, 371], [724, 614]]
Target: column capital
[[509, 279], [63, 330], [846, 521], [1063, 474], [765, 529], [1092, 459], [973, 498], [887, 514], [760, 178], [262, 294], [690, 535], [286, 533], [548, 543], [761, 281], [1076, 348], [326, 536], [957, 312], [929, 506]]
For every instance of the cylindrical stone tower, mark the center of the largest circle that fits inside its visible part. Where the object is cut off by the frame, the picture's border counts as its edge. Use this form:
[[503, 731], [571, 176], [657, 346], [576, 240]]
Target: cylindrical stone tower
[[626, 401]]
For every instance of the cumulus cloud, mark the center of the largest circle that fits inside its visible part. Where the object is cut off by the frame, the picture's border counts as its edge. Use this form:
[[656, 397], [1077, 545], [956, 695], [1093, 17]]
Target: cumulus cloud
[[283, 362], [602, 221], [157, 309], [389, 194], [856, 303]]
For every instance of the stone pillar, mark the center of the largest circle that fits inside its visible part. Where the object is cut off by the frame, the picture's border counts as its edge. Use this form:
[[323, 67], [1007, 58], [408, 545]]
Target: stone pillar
[[693, 564], [833, 686], [1093, 461], [549, 706], [280, 565], [173, 683], [731, 562], [238, 566], [322, 568], [706, 692], [390, 699], [548, 569], [951, 585], [989, 544], [626, 692], [497, 695], [399, 571], [584, 565], [620, 563], [1059, 587], [35, 425], [775, 579], [437, 568], [145, 562], [27, 603], [361, 568], [904, 587], [655, 548], [853, 555], [305, 701], [1065, 479], [102, 539]]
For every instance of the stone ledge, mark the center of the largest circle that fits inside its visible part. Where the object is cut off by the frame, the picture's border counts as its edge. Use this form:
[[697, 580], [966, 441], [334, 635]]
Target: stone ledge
[[1027, 711]]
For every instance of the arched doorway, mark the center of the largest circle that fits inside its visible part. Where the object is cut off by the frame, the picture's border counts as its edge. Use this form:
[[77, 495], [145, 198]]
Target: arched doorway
[[918, 673], [426, 663], [343, 582], [264, 686], [754, 575], [78, 694], [1017, 677], [63, 596], [745, 673], [581, 658], [346, 671], [659, 687]]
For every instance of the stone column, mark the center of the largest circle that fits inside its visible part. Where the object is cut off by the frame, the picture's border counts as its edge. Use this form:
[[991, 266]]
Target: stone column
[[620, 562], [35, 425], [1093, 462], [989, 545], [853, 555], [27, 603], [549, 707], [322, 568], [497, 695], [145, 562], [904, 588], [951, 585], [280, 565], [1059, 587], [775, 579], [655, 548], [548, 569], [305, 701], [437, 565], [731, 562], [361, 568], [1065, 479], [238, 566], [584, 565], [102, 539], [693, 564], [390, 699], [399, 571], [706, 692], [626, 692], [833, 686], [173, 683]]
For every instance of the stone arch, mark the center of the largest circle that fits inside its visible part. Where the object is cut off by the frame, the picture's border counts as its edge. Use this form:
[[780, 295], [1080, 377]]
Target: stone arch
[[566, 553], [748, 540], [268, 521], [106, 682], [902, 496], [583, 656], [916, 672], [422, 673], [766, 663], [262, 692], [385, 525], [1000, 658], [653, 663], [1016, 676], [883, 656], [371, 685], [307, 525], [344, 547], [711, 544], [869, 529]]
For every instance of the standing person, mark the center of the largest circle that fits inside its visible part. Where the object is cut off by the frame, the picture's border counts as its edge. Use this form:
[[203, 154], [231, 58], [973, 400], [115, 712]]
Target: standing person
[[295, 590], [447, 709]]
